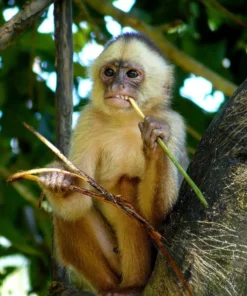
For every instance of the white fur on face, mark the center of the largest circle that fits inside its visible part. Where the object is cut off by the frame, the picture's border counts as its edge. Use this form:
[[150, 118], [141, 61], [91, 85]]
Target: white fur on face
[[158, 74]]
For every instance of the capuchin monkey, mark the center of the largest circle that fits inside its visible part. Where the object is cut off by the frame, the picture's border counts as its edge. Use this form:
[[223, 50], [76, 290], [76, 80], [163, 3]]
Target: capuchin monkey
[[93, 239]]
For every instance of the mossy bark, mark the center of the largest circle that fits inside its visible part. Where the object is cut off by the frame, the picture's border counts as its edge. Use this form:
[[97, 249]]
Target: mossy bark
[[210, 245]]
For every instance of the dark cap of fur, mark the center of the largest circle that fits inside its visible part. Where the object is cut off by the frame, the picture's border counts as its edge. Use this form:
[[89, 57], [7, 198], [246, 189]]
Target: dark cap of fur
[[137, 36]]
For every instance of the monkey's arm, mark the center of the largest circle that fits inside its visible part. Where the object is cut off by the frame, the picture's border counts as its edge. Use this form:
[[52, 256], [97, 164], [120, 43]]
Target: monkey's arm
[[71, 205], [83, 154], [159, 186]]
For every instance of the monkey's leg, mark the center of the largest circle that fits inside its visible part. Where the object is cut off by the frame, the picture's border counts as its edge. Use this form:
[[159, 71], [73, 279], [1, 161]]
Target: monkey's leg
[[87, 245], [134, 243]]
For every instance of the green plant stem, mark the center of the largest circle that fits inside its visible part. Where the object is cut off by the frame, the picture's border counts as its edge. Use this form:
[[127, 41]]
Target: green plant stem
[[183, 172], [173, 159]]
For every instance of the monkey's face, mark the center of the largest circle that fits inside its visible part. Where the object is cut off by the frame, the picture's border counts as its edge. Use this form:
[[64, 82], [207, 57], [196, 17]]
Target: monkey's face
[[129, 69], [121, 80]]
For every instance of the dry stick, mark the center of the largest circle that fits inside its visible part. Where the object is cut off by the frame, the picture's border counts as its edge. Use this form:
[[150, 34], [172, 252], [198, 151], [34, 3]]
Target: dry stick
[[28, 174], [125, 206], [173, 159]]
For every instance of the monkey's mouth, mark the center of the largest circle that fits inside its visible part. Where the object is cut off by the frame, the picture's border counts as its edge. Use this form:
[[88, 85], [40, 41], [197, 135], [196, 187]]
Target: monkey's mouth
[[121, 101]]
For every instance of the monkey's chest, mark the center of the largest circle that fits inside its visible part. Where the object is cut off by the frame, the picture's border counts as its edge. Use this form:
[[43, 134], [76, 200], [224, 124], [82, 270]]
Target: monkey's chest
[[122, 157]]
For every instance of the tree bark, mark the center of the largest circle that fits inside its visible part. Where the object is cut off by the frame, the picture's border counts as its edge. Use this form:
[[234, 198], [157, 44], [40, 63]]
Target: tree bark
[[210, 245], [64, 66]]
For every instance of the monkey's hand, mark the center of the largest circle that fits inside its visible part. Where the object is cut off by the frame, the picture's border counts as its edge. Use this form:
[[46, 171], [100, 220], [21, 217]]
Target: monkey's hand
[[56, 182], [151, 129], [65, 203]]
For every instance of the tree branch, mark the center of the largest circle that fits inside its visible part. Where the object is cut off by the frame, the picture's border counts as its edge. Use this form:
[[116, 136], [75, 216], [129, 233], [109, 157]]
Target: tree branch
[[64, 67], [21, 21], [175, 55], [223, 10], [64, 100]]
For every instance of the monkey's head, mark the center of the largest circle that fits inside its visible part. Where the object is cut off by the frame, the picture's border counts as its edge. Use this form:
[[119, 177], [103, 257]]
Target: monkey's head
[[130, 66]]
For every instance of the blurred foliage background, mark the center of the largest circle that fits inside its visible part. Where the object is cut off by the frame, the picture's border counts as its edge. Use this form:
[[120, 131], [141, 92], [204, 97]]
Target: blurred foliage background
[[209, 31]]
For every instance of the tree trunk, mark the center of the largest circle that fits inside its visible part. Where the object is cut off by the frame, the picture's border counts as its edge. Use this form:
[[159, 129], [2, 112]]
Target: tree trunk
[[210, 245], [64, 99]]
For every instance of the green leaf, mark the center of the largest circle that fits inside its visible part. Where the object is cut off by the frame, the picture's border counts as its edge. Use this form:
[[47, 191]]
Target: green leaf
[[18, 241]]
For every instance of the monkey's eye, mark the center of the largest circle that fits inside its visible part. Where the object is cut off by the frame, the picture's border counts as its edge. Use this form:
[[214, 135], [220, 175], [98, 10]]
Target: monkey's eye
[[109, 72], [132, 73]]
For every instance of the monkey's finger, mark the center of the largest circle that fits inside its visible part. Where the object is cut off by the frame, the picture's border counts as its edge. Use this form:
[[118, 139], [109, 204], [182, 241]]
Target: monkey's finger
[[155, 134], [154, 131], [59, 180], [153, 138], [141, 126], [148, 125], [145, 134], [60, 183], [147, 121], [48, 181], [53, 181], [44, 180]]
